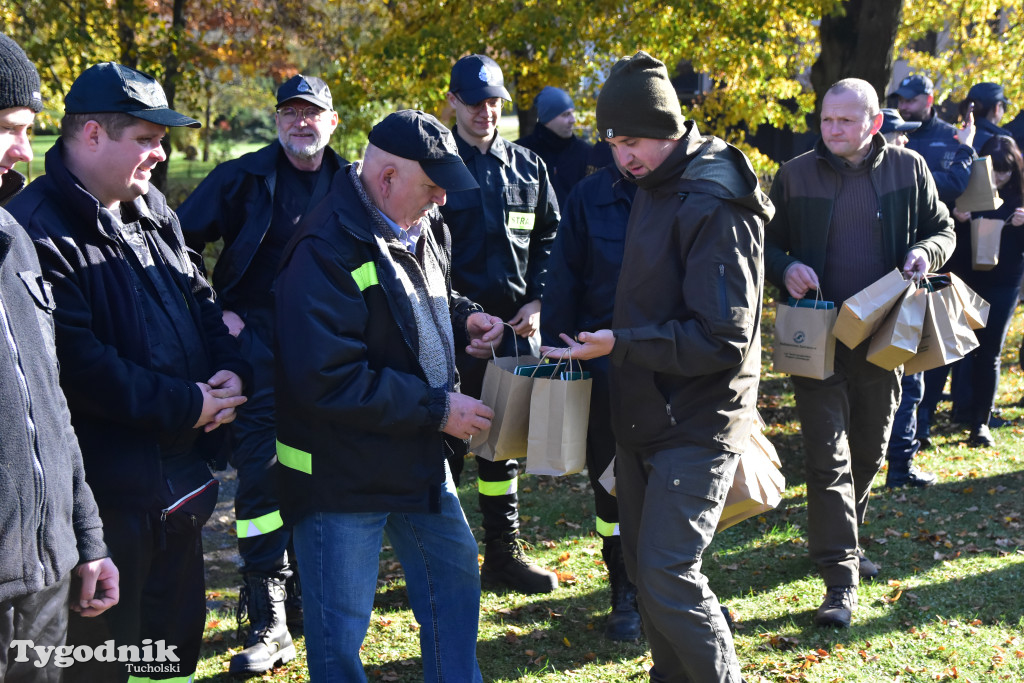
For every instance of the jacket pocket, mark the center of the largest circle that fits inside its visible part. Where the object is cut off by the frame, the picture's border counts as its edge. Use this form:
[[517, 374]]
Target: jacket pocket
[[42, 295], [731, 300], [521, 203]]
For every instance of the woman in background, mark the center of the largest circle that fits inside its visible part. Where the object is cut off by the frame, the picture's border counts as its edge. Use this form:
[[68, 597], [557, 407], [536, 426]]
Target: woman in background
[[1000, 286]]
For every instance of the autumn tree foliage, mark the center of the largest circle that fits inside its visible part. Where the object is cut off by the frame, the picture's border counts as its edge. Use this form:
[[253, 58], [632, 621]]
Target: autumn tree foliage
[[767, 61]]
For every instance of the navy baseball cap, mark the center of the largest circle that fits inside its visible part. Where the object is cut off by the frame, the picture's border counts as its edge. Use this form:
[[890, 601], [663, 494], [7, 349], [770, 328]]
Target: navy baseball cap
[[987, 93], [892, 122], [114, 88], [308, 88], [476, 78], [418, 136], [912, 86]]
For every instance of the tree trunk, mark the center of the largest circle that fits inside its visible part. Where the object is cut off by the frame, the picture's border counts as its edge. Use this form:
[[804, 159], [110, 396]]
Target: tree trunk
[[857, 43], [126, 34], [172, 74]]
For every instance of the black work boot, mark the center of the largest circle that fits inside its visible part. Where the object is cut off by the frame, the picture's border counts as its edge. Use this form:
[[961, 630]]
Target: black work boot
[[269, 644], [624, 621], [507, 566]]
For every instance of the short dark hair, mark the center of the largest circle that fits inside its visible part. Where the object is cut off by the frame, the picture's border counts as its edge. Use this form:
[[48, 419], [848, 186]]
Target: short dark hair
[[114, 123]]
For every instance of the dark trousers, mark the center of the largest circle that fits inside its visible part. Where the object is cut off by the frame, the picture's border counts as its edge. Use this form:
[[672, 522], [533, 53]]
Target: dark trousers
[[601, 447], [163, 594], [262, 537], [497, 482], [846, 421], [985, 361], [42, 618], [669, 505]]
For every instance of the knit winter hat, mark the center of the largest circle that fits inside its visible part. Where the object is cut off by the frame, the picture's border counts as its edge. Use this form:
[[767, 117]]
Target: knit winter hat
[[638, 100], [19, 80], [551, 102]]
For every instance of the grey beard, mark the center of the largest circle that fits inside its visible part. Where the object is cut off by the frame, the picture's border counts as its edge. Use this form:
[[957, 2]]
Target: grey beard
[[306, 151]]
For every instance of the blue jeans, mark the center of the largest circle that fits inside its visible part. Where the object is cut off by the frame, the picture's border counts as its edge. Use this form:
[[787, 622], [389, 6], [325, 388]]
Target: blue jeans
[[338, 557], [903, 443]]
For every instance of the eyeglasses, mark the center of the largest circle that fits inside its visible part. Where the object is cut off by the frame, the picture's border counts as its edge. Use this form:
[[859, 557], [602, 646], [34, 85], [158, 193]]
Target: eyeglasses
[[288, 115], [491, 103]]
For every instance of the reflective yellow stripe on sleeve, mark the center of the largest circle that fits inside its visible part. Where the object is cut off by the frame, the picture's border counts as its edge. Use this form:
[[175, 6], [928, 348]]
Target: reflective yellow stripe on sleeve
[[264, 524], [294, 458], [365, 275], [497, 488]]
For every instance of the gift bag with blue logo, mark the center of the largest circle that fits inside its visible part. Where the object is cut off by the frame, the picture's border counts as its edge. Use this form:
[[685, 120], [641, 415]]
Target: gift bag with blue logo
[[804, 344]]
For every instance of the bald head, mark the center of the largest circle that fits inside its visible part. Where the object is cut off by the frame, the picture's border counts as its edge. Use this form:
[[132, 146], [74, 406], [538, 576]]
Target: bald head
[[399, 187], [861, 90]]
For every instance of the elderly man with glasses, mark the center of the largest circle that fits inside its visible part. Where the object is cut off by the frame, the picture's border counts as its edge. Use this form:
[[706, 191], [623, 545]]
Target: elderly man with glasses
[[255, 203]]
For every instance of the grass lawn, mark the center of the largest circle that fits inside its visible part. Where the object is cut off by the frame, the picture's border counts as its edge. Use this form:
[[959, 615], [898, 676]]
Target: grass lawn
[[947, 606]]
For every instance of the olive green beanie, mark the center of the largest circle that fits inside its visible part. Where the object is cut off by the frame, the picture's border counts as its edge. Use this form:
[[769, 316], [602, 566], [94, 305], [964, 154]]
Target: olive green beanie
[[638, 101]]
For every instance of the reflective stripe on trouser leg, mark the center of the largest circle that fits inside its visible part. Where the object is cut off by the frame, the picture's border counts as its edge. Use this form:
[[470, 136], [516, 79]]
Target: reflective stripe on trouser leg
[[498, 488], [498, 484], [247, 528], [607, 529]]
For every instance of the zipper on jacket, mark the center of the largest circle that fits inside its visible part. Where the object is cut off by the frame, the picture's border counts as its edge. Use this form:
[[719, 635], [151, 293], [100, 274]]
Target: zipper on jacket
[[723, 300], [671, 417], [30, 425], [176, 505]]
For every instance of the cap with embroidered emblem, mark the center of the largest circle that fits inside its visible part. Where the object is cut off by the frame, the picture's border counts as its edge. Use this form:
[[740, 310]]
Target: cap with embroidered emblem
[[418, 136], [109, 87], [308, 88], [476, 78]]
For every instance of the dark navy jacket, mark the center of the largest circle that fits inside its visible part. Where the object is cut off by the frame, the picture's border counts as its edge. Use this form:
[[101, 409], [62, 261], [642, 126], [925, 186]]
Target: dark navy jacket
[[947, 159], [587, 256], [120, 408], [502, 233], [566, 159], [985, 129], [358, 423], [236, 202]]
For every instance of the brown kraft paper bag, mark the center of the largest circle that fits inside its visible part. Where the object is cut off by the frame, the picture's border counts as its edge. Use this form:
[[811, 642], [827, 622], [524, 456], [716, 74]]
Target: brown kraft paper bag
[[804, 344], [508, 395], [758, 483], [946, 336], [981, 193], [896, 341], [559, 412], [864, 312], [985, 236], [975, 307]]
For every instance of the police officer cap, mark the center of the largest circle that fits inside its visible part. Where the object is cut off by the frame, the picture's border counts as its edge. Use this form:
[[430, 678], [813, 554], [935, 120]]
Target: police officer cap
[[912, 86], [476, 78], [987, 93]]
